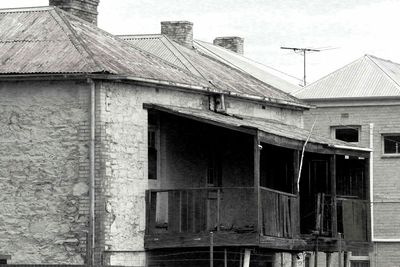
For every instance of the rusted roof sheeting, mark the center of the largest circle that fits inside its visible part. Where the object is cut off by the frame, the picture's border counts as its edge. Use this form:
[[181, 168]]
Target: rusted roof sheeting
[[268, 126], [49, 40], [220, 75], [366, 77], [155, 45], [33, 42], [259, 71]]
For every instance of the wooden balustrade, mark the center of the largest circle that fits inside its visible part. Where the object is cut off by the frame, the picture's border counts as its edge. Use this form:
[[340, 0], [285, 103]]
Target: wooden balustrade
[[234, 209], [280, 213], [201, 209], [353, 219]]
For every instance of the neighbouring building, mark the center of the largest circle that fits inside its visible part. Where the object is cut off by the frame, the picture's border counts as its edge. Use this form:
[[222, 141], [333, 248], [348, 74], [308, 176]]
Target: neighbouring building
[[360, 103], [111, 154]]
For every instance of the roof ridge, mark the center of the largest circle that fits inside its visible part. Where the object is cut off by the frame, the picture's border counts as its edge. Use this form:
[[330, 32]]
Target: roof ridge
[[26, 9], [136, 36], [78, 44], [241, 69], [120, 37], [371, 58]]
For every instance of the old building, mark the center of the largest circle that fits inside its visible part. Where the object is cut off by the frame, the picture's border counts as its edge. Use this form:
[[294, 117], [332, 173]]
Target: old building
[[113, 155], [359, 103]]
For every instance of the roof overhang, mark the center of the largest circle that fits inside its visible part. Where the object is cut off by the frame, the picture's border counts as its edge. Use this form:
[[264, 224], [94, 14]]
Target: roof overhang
[[271, 132]]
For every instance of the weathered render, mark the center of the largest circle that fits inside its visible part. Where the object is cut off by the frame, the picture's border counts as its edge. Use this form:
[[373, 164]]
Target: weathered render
[[365, 96]]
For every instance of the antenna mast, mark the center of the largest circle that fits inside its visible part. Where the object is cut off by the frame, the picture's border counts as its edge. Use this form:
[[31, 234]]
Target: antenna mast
[[303, 51]]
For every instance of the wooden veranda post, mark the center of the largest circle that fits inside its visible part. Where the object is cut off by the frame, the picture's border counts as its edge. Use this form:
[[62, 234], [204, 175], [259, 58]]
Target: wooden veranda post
[[333, 196], [257, 152]]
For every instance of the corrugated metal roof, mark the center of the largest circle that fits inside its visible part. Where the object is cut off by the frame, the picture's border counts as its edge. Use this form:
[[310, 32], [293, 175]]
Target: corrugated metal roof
[[262, 72], [49, 40], [366, 77], [219, 74], [268, 126], [157, 45]]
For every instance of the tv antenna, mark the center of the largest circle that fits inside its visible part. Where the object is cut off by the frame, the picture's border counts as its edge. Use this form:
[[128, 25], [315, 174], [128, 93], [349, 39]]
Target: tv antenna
[[303, 51]]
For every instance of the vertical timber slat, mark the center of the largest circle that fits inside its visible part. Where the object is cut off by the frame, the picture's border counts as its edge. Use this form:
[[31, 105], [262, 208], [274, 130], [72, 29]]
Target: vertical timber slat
[[257, 179]]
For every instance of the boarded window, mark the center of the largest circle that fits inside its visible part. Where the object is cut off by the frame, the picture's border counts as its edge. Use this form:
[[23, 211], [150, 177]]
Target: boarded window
[[348, 133], [391, 144]]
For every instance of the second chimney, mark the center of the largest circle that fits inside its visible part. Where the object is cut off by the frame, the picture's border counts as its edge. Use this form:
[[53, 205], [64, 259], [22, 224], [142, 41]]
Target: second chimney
[[179, 31], [233, 43], [85, 9]]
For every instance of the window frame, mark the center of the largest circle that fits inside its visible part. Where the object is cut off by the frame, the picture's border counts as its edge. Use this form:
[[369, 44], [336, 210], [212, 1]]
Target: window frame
[[338, 127], [384, 154]]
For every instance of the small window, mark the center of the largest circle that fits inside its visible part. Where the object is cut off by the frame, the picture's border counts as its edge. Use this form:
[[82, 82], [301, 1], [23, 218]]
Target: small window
[[347, 133], [391, 144]]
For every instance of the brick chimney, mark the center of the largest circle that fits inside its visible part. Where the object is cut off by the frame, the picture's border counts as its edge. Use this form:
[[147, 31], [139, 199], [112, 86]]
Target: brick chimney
[[85, 9], [179, 31], [233, 43]]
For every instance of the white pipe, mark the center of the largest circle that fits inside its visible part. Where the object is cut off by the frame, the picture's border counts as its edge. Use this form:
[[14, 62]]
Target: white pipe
[[92, 170], [371, 177]]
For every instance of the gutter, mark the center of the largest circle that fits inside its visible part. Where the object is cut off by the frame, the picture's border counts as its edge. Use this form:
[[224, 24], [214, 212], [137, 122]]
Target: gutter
[[120, 78], [351, 148]]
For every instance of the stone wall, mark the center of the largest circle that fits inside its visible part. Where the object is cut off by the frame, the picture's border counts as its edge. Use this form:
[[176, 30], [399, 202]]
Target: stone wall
[[123, 159], [44, 171], [44, 167]]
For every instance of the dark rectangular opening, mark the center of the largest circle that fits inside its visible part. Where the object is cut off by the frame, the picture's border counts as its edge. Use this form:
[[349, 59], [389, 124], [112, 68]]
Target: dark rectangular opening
[[277, 168], [391, 144], [347, 134]]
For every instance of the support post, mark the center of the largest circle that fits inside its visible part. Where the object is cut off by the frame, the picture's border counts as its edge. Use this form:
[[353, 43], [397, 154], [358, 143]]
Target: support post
[[257, 152], [333, 196], [328, 259], [218, 208], [246, 262], [225, 257], [211, 249], [340, 249], [316, 252]]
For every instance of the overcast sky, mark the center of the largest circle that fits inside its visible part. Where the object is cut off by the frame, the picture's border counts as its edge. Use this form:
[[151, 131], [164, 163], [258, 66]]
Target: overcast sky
[[352, 27]]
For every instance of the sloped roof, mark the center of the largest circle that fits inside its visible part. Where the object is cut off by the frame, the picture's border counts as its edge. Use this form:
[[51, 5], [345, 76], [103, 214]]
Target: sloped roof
[[270, 127], [50, 40], [367, 77], [221, 75], [260, 71]]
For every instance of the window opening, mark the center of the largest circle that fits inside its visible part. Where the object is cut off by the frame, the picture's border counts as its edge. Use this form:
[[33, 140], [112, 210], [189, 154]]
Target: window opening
[[348, 133], [391, 144]]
